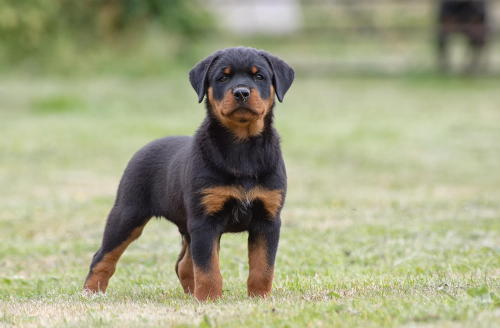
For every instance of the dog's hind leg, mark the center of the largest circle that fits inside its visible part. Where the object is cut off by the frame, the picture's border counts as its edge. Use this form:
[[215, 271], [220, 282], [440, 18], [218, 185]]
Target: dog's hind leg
[[477, 42], [123, 226], [184, 266], [442, 49]]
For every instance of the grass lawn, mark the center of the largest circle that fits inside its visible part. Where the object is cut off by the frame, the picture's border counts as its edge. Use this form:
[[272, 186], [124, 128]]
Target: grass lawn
[[392, 217]]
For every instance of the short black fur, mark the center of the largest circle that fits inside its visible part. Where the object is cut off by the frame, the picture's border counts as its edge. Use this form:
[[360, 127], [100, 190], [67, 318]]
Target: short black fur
[[168, 177]]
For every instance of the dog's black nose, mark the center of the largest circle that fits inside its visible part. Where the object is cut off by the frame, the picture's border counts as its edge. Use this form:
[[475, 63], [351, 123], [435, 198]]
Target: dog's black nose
[[241, 94]]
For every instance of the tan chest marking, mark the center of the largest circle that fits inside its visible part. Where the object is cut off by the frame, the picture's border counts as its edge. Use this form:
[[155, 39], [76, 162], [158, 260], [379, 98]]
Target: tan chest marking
[[214, 198]]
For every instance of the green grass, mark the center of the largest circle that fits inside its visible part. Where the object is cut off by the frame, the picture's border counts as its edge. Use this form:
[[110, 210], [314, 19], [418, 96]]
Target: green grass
[[392, 217]]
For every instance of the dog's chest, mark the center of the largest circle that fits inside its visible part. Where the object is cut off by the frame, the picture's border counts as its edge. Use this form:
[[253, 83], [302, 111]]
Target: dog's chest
[[240, 212], [241, 202]]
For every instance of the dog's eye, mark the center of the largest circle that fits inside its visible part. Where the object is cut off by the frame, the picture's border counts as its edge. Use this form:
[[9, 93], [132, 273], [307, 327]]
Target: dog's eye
[[223, 78], [259, 76]]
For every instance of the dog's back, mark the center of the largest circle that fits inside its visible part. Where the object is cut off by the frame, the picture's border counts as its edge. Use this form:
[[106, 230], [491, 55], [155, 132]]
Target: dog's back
[[462, 12], [152, 170]]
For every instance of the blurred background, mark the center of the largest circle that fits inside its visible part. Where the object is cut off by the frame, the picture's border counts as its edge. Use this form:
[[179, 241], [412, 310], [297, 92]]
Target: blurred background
[[319, 37]]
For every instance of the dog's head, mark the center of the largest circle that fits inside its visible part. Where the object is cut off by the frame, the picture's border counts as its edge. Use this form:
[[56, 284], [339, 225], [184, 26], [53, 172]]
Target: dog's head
[[240, 85]]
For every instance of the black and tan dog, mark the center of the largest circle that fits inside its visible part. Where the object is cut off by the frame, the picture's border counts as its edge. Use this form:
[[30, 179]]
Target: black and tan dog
[[229, 177], [468, 18]]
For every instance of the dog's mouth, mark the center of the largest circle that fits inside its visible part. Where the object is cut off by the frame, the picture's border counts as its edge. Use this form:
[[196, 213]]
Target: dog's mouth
[[243, 114]]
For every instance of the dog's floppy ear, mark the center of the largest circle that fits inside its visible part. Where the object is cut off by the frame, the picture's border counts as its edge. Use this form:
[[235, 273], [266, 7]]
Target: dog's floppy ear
[[282, 74], [198, 75]]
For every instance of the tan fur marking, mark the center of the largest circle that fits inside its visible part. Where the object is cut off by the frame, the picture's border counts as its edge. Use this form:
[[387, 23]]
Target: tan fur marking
[[227, 70], [260, 277], [242, 124], [208, 283], [102, 271], [185, 268], [270, 198], [254, 69], [214, 198]]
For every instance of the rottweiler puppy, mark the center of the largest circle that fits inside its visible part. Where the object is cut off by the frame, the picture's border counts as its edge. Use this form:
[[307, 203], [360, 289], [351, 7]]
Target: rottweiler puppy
[[229, 177], [464, 17]]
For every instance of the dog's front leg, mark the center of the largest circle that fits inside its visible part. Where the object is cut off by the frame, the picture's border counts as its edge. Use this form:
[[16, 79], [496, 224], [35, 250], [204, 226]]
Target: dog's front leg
[[263, 240], [205, 240]]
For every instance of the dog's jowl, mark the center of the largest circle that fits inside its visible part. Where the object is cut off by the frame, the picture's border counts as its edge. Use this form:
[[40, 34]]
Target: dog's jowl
[[229, 177]]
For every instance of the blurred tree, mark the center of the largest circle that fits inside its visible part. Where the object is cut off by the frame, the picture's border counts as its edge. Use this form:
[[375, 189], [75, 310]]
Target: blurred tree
[[30, 26], [180, 16]]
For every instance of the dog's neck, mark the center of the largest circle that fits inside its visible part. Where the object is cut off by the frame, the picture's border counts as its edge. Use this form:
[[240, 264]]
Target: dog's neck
[[252, 157]]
